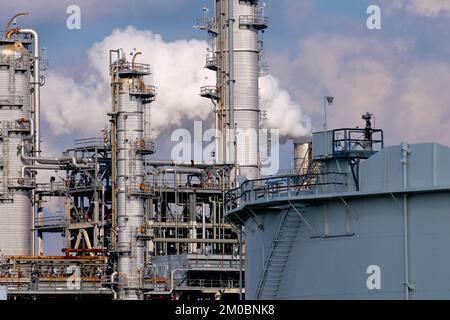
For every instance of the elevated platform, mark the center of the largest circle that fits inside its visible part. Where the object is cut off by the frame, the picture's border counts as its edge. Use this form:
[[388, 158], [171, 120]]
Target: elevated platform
[[212, 63], [146, 92], [210, 92], [258, 22], [128, 69]]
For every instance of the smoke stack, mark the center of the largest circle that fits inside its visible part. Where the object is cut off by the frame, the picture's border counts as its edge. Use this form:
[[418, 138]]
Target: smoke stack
[[302, 154]]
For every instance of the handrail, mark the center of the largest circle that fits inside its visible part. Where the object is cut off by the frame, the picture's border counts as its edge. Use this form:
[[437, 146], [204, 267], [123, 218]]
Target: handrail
[[284, 186]]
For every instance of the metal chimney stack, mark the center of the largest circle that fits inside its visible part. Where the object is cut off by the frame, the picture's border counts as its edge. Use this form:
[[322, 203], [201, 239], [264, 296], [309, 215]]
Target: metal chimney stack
[[302, 155], [131, 96]]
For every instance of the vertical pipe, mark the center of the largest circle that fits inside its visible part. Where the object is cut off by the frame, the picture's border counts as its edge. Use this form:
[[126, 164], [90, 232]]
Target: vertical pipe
[[204, 227], [37, 88], [325, 126], [115, 99], [241, 265], [33, 233], [405, 152], [230, 24]]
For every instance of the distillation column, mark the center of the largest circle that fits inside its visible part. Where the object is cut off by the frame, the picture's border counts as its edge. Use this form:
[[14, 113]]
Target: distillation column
[[132, 96], [248, 20], [235, 29], [15, 130]]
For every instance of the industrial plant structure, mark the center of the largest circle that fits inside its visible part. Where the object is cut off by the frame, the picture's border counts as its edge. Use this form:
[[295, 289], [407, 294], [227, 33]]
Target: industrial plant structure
[[353, 219], [134, 228]]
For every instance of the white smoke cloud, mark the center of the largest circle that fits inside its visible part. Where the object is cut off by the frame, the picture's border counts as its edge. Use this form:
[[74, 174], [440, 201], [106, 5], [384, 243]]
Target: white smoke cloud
[[178, 72], [70, 107], [282, 112]]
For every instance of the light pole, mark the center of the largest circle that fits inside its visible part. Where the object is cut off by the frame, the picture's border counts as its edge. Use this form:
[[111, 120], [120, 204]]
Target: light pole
[[327, 101]]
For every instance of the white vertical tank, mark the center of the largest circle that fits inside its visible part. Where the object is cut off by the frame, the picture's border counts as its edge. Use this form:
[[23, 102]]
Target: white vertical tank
[[248, 21], [15, 129], [235, 32], [131, 148]]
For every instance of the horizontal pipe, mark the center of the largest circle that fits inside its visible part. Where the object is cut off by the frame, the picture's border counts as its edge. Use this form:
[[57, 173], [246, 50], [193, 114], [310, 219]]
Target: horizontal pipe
[[188, 225], [35, 167], [58, 161], [173, 163], [181, 170], [174, 240]]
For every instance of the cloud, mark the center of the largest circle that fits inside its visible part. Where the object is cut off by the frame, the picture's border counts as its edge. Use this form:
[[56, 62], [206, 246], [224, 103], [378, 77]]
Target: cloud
[[427, 8], [405, 91], [91, 10], [178, 72], [283, 112]]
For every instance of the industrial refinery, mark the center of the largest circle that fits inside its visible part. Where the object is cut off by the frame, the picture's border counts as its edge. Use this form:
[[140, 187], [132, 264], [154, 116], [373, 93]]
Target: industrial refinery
[[352, 219]]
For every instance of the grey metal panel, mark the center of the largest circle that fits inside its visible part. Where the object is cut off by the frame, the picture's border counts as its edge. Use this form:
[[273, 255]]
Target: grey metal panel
[[427, 167], [322, 144]]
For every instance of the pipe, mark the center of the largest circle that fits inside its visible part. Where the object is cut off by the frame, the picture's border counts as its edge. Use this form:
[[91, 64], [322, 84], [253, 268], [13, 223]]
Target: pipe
[[171, 163], [214, 213], [406, 152], [8, 26], [115, 92], [204, 226], [37, 88], [31, 136], [241, 265], [9, 33], [231, 80], [134, 58], [36, 84], [181, 170], [30, 167], [196, 240], [88, 162]]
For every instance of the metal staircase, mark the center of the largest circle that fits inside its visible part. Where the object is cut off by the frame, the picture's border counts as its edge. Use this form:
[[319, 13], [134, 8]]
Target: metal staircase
[[277, 258]]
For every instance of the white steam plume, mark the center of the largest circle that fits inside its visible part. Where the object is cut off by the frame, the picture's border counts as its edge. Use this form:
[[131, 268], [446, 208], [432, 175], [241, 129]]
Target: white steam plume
[[178, 72], [282, 112]]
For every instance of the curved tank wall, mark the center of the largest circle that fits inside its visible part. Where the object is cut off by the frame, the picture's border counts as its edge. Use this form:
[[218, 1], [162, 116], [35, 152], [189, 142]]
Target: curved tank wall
[[352, 245]]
